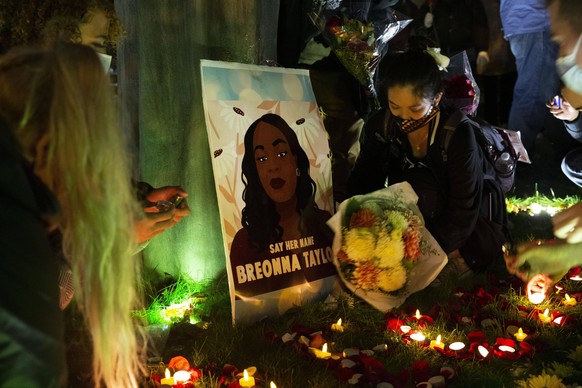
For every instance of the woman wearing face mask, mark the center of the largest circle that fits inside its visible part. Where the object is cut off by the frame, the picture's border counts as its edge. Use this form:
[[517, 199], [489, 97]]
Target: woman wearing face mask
[[463, 209]]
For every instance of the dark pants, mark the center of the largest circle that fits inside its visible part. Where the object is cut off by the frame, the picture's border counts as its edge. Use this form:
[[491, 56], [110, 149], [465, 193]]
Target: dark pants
[[338, 95]]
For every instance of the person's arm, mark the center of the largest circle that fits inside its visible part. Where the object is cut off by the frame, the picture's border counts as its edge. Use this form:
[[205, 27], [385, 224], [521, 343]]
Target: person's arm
[[552, 258], [371, 168], [568, 224], [574, 127], [563, 110], [463, 187]]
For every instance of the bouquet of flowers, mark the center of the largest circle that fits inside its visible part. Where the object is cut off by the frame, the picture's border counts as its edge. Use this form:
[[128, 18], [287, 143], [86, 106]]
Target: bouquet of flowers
[[460, 87], [382, 251], [358, 43]]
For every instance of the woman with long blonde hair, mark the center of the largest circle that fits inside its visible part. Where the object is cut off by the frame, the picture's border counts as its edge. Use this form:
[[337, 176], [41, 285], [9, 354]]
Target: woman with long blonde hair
[[58, 105]]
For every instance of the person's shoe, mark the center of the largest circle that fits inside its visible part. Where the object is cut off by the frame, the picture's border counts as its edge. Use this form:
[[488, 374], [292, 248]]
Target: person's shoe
[[456, 268]]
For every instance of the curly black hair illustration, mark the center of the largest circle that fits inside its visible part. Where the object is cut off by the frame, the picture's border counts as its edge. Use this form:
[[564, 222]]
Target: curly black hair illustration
[[259, 216]]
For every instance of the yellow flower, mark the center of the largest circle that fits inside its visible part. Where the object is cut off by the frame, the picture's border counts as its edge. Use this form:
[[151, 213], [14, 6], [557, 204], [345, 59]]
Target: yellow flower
[[359, 244], [390, 251], [392, 279], [396, 220], [541, 381]]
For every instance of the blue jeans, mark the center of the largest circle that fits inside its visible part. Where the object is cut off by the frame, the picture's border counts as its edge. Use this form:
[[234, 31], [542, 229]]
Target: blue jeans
[[537, 82]]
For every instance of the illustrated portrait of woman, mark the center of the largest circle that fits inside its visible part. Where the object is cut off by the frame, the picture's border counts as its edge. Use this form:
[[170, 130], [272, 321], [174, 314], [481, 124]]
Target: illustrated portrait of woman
[[284, 240]]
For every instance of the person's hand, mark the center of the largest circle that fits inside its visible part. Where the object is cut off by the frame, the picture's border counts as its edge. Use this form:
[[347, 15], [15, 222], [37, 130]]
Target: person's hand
[[170, 193], [482, 61], [537, 288], [568, 224], [562, 109], [512, 267], [160, 213], [552, 258]]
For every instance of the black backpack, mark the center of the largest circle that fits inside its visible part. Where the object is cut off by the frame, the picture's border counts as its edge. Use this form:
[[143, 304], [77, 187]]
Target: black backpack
[[494, 143]]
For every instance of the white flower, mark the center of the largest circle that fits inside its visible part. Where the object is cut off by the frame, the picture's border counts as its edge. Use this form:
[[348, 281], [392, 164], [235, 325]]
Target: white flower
[[441, 60], [236, 119]]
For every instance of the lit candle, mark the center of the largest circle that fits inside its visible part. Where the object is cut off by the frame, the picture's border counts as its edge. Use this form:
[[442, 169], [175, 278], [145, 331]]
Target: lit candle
[[505, 348], [405, 329], [418, 336], [169, 380], [247, 381], [323, 353], [520, 335], [181, 376], [456, 346], [484, 352], [569, 301], [421, 320], [337, 326], [545, 317], [536, 297], [576, 278], [437, 343], [272, 385]]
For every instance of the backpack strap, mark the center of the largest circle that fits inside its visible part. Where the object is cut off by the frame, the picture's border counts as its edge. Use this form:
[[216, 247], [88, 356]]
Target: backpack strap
[[450, 126]]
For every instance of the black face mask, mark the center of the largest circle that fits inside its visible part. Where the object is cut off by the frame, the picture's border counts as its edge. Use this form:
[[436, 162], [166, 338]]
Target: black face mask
[[408, 126]]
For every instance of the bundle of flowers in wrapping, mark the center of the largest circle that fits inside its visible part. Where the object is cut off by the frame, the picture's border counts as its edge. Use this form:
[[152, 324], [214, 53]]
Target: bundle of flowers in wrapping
[[359, 44], [460, 87], [382, 251]]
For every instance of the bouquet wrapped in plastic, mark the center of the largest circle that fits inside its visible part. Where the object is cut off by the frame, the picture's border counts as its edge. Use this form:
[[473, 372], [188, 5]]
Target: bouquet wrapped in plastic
[[460, 87], [382, 251], [357, 42]]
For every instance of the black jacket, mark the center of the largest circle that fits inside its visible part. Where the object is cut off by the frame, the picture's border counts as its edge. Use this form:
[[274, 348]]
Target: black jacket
[[450, 186]]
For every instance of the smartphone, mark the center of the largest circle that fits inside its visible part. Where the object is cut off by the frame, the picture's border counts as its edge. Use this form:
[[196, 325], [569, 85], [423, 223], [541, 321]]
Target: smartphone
[[177, 200]]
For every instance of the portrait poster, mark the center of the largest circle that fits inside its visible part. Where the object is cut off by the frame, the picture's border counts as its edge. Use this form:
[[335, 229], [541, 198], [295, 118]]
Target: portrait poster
[[272, 170]]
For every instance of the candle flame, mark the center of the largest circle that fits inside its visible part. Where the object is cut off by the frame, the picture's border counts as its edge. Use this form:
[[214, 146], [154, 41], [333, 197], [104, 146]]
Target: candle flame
[[324, 347], [484, 352], [568, 298], [273, 385], [505, 348], [418, 336], [546, 313], [537, 297], [182, 376], [558, 321], [457, 346], [438, 340], [417, 315], [339, 322], [167, 373], [245, 375]]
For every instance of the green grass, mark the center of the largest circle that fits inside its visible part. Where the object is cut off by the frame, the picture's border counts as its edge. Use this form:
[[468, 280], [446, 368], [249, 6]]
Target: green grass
[[259, 345], [212, 342]]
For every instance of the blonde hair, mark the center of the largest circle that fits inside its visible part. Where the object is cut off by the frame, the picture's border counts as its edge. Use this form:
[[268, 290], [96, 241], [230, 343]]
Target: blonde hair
[[63, 93]]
